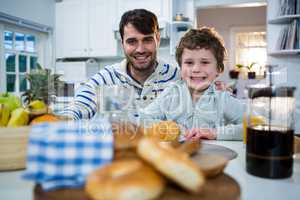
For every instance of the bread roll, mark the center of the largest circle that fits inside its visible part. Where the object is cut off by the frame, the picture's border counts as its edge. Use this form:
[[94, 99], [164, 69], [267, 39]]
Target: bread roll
[[126, 180], [172, 163]]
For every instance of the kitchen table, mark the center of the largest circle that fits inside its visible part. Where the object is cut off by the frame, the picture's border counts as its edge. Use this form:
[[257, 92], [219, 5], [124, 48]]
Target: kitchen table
[[12, 187]]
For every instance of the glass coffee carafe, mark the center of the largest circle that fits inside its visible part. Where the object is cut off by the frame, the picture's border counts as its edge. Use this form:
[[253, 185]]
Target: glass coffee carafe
[[270, 131]]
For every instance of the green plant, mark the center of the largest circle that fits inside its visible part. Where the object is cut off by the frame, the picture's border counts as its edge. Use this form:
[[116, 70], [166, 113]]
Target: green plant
[[239, 67], [250, 66], [42, 85]]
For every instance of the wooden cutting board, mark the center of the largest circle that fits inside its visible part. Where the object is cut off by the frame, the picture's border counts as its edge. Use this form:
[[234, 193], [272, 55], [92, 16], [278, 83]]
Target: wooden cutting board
[[221, 187]]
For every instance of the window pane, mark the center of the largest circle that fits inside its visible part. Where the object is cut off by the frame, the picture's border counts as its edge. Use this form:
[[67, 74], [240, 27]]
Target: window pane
[[22, 63], [10, 60], [8, 39], [23, 83], [251, 48], [30, 43], [33, 61], [11, 79], [20, 42]]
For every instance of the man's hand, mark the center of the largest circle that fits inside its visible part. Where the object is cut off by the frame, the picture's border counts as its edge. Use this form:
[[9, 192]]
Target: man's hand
[[200, 133]]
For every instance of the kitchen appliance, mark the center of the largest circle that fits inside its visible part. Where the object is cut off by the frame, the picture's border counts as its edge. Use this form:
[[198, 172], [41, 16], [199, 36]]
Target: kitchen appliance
[[74, 74], [270, 130], [77, 71]]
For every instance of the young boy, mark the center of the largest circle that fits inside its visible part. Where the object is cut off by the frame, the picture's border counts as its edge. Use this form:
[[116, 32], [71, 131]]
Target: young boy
[[193, 102]]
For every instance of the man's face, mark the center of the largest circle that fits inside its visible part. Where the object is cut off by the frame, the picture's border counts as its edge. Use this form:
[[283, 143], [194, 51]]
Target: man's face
[[140, 49], [198, 68]]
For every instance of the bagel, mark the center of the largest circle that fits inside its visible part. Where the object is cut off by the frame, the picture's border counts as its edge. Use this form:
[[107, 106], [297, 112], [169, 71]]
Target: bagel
[[125, 179], [172, 163], [164, 131], [125, 154]]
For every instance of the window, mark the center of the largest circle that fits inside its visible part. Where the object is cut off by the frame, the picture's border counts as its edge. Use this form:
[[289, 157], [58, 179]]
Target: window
[[20, 56], [249, 46]]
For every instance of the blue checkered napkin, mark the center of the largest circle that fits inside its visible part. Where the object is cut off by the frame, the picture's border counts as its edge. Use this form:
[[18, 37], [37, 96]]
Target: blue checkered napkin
[[62, 154]]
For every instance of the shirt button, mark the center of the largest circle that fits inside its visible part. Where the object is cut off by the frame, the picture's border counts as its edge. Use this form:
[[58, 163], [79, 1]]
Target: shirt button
[[144, 97]]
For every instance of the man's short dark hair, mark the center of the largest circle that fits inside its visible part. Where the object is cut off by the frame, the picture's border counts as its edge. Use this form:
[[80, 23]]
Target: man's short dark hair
[[143, 20]]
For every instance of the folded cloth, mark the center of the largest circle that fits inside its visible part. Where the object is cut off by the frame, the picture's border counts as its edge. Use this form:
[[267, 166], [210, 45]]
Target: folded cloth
[[62, 154]]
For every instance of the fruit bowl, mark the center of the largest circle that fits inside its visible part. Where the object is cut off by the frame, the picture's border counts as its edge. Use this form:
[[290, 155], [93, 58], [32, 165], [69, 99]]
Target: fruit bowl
[[13, 147]]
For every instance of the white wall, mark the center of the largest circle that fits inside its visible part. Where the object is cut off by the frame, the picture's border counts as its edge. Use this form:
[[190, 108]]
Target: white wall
[[39, 11], [223, 19]]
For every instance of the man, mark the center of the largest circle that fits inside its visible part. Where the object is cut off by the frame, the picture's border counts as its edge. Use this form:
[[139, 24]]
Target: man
[[140, 70]]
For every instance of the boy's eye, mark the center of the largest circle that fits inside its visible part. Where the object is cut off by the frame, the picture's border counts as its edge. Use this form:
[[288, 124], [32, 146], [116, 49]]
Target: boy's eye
[[188, 62], [204, 62]]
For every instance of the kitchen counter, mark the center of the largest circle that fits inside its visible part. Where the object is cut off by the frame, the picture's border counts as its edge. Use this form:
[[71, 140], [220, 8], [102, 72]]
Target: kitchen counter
[[12, 187]]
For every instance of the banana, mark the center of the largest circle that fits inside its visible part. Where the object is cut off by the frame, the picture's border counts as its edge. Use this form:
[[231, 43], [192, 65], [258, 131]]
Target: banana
[[37, 107], [19, 117], [4, 114]]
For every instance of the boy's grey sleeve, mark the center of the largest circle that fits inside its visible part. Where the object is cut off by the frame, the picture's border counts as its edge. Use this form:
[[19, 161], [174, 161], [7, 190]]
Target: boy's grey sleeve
[[230, 132], [231, 127], [156, 111]]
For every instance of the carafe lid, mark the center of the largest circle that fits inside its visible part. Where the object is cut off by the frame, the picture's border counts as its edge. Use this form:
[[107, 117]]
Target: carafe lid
[[255, 91]]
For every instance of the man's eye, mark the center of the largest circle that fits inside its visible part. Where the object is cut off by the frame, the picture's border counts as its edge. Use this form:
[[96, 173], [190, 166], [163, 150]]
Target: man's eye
[[148, 40], [131, 42]]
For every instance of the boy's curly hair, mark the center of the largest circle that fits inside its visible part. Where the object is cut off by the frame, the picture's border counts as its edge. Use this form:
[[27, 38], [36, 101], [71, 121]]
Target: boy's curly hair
[[206, 38]]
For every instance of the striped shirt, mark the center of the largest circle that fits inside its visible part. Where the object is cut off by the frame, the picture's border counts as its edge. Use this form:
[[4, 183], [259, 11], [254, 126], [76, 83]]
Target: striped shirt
[[85, 106]]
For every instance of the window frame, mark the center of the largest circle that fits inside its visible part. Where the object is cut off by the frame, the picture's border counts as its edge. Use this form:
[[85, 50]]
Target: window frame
[[42, 50], [239, 29]]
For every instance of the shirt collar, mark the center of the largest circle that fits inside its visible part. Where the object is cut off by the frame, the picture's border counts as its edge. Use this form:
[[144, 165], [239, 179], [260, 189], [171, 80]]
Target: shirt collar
[[210, 90], [160, 69]]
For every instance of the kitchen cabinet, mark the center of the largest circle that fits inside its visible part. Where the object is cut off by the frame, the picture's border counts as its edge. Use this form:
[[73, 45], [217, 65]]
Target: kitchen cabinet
[[88, 28], [76, 72], [161, 8], [84, 28], [182, 18], [166, 11]]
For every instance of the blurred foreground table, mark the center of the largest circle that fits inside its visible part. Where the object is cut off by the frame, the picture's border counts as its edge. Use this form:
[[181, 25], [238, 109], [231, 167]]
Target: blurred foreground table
[[12, 187]]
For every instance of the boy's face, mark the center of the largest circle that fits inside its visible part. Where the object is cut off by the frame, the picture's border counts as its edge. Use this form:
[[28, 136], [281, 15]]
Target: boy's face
[[140, 49], [198, 68]]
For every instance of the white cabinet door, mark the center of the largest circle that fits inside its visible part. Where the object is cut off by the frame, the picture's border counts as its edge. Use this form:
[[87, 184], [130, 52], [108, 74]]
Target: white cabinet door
[[71, 29], [84, 28], [102, 16], [161, 8]]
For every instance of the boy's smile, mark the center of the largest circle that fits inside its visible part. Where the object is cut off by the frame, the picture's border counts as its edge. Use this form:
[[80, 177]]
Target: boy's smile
[[198, 68]]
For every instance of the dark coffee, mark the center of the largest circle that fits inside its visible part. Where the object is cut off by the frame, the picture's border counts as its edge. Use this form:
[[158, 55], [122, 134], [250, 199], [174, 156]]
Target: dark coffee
[[270, 151]]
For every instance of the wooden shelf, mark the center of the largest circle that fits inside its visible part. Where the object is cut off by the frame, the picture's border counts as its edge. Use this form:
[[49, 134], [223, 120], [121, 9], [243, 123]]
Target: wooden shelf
[[182, 23], [284, 52], [283, 19]]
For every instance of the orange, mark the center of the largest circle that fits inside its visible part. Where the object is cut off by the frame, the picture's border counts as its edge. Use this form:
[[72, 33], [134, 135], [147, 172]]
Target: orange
[[44, 118]]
